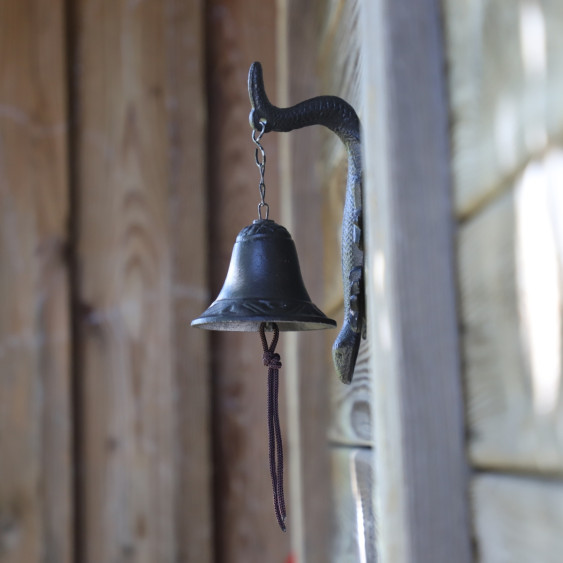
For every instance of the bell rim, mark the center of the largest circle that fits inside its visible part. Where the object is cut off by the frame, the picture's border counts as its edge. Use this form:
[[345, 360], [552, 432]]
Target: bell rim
[[246, 315], [252, 323]]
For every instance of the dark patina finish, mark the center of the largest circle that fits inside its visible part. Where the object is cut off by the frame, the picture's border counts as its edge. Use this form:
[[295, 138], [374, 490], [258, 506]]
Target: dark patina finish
[[263, 285]]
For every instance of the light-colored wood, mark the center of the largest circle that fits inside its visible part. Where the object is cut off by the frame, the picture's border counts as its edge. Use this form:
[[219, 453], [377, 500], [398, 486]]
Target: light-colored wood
[[187, 206], [309, 365], [339, 58], [505, 62], [127, 428], [350, 425], [353, 537], [351, 412], [340, 74], [420, 464], [35, 436], [517, 519], [510, 260]]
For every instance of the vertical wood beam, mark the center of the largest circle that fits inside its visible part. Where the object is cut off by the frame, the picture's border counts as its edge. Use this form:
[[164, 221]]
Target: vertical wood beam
[[35, 434], [421, 469], [239, 33], [187, 202], [310, 365], [129, 483]]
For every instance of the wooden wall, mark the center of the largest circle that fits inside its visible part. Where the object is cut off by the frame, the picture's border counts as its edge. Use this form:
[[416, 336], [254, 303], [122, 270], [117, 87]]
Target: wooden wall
[[308, 362], [329, 423], [506, 92], [238, 33], [350, 429], [139, 236], [36, 475], [126, 170], [421, 473]]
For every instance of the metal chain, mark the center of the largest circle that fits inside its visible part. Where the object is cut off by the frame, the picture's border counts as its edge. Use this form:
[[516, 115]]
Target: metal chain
[[261, 163]]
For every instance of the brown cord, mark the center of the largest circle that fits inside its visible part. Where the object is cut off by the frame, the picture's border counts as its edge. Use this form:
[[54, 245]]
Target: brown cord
[[272, 361]]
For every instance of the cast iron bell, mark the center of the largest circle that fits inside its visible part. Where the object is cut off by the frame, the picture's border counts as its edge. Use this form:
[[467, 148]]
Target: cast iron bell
[[263, 285]]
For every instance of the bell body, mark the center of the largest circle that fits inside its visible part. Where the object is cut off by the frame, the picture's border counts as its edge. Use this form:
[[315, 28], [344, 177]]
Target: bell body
[[263, 284]]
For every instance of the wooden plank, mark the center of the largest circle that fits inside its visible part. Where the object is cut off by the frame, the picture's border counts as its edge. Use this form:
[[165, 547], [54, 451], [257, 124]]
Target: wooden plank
[[420, 466], [128, 483], [36, 512], [310, 187], [351, 405], [246, 528], [517, 519], [339, 55], [351, 417], [510, 259], [353, 537], [187, 204], [308, 362], [505, 82]]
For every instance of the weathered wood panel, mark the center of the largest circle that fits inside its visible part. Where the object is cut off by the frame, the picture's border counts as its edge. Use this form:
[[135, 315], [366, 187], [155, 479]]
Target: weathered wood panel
[[505, 62], [187, 204], [510, 260], [308, 362], [420, 468], [128, 484], [517, 519], [340, 74], [351, 413], [35, 435], [353, 537], [240, 32]]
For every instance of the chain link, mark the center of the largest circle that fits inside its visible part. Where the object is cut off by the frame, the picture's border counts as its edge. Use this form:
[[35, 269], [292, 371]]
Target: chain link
[[260, 158]]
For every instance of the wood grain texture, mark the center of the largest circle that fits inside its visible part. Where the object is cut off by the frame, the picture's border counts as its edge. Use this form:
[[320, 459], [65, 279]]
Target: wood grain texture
[[309, 363], [35, 433], [339, 67], [353, 537], [517, 520], [505, 83], [187, 204], [128, 482], [239, 33], [351, 406], [421, 469], [510, 259], [340, 55]]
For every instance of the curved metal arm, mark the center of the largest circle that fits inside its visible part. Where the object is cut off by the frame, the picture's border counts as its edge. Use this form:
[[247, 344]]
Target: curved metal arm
[[340, 117]]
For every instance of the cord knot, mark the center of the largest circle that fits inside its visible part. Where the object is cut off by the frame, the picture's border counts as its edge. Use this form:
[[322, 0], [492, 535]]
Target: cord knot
[[271, 360]]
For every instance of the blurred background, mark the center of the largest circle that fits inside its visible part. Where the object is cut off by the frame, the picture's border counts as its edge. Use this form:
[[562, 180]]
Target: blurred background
[[127, 170]]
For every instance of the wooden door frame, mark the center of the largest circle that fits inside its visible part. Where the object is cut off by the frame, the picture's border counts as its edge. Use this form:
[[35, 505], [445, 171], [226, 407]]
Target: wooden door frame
[[420, 460]]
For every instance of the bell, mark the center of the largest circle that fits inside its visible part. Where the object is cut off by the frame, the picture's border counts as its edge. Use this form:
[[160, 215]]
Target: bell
[[263, 285]]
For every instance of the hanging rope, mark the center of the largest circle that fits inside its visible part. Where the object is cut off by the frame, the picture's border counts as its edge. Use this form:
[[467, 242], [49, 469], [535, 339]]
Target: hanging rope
[[272, 361]]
